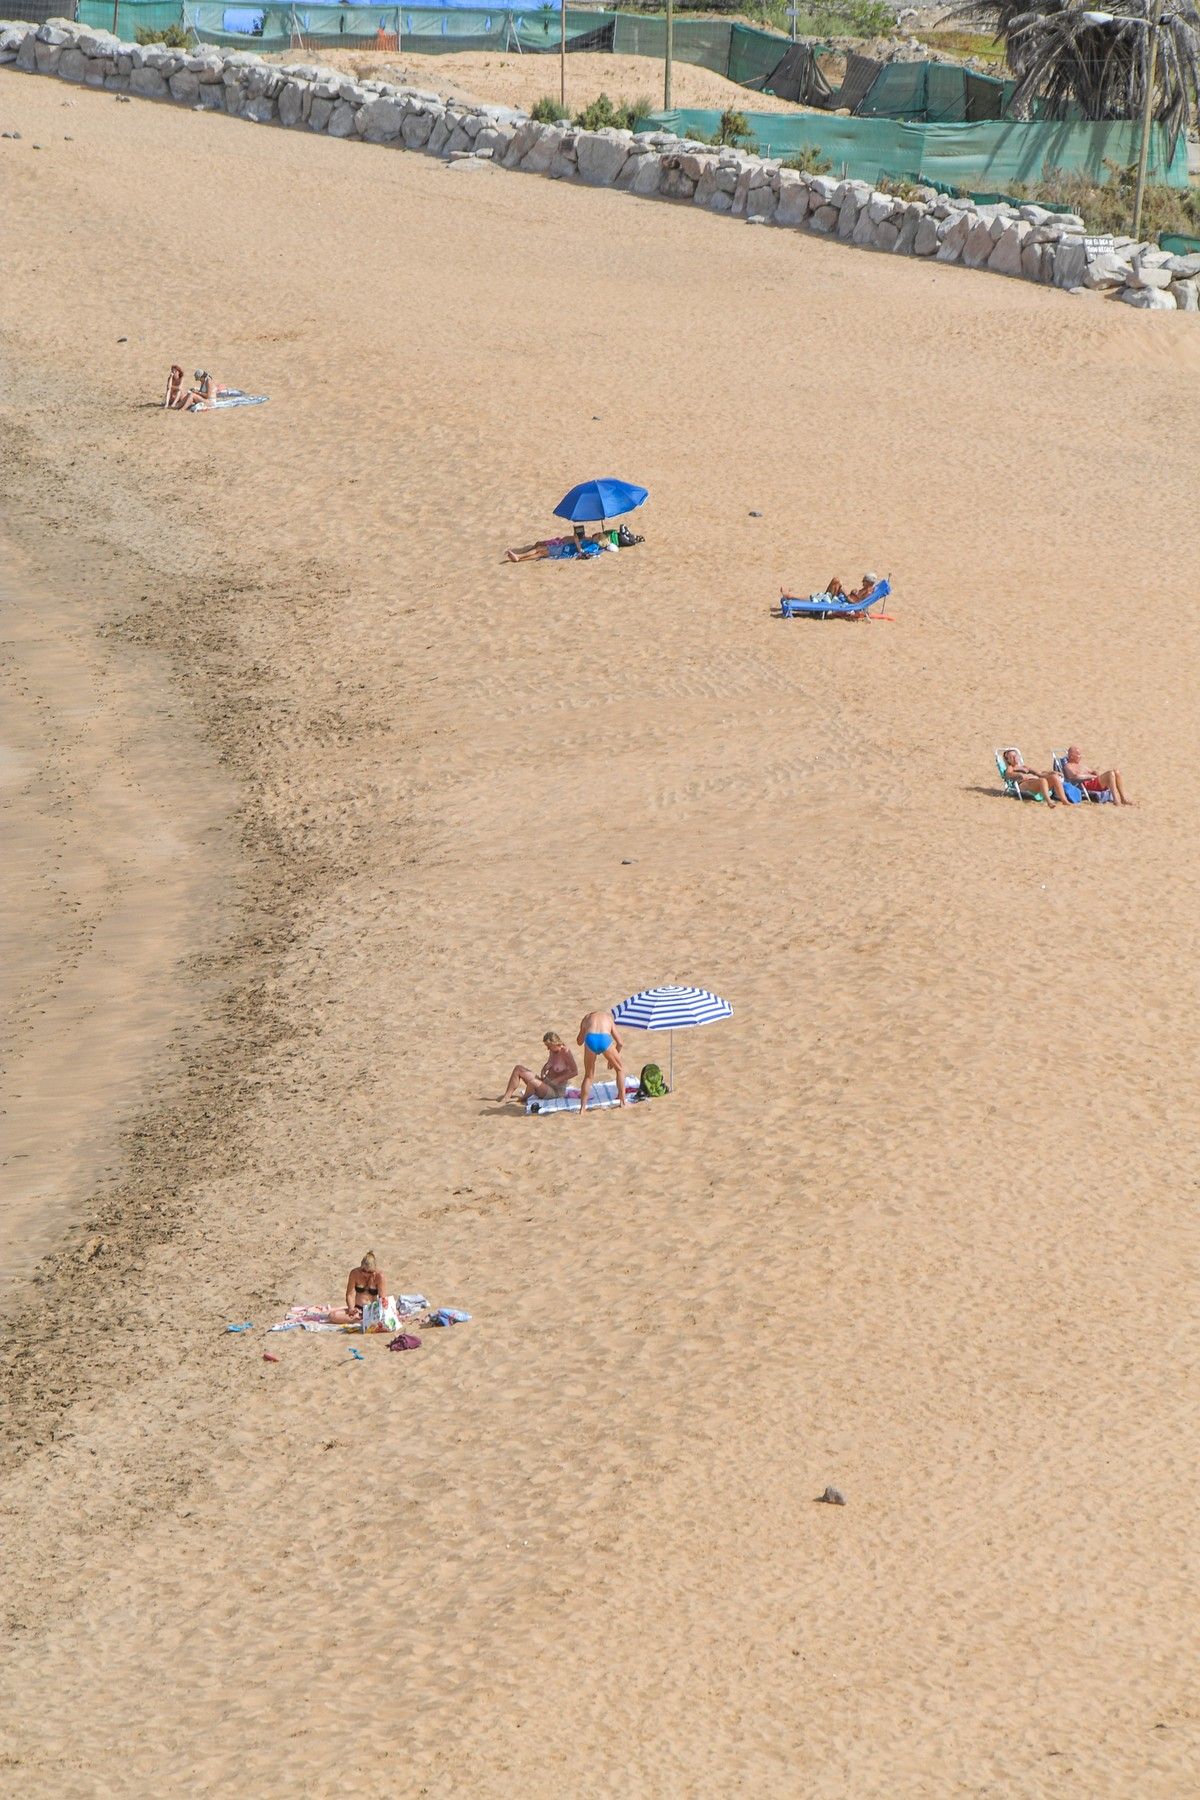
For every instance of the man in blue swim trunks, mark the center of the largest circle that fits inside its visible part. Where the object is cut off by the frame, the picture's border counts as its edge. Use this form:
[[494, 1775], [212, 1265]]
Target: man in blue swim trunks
[[598, 1036]]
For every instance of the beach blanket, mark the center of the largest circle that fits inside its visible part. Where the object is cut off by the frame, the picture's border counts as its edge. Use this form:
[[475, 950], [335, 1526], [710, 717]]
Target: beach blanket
[[230, 397], [604, 1093], [316, 1318]]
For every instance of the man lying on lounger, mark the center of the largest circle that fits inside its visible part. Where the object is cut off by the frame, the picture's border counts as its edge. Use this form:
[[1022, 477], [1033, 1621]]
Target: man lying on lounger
[[1094, 780], [835, 590]]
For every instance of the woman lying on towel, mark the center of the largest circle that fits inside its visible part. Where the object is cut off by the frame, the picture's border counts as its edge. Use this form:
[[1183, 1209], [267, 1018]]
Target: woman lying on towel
[[559, 1069], [579, 544], [363, 1284]]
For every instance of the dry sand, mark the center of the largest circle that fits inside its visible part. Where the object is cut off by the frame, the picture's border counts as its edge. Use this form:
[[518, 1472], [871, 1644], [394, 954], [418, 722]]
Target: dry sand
[[512, 80], [917, 1220]]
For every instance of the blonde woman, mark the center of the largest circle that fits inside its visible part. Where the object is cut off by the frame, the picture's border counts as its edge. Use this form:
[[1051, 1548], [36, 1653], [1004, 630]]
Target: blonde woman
[[558, 1069], [363, 1284]]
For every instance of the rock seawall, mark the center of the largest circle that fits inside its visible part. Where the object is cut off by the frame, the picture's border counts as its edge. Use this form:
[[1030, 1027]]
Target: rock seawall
[[1024, 242]]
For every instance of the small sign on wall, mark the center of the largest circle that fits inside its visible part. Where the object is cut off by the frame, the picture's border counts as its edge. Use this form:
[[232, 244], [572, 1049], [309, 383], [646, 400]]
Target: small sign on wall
[[1098, 246]]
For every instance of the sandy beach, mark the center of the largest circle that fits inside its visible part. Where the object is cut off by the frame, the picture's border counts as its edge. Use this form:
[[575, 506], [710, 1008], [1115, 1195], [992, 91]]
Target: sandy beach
[[918, 1221]]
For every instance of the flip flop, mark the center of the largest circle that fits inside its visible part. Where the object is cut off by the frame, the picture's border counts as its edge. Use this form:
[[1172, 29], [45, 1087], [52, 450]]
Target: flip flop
[[248, 1326]]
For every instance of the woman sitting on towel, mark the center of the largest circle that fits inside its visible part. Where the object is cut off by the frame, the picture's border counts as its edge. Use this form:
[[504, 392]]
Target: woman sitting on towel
[[550, 547], [203, 394], [559, 1068], [174, 397], [363, 1284]]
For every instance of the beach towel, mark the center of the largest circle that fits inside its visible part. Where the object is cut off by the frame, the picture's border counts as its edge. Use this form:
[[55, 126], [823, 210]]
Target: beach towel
[[604, 1093], [229, 397], [316, 1318]]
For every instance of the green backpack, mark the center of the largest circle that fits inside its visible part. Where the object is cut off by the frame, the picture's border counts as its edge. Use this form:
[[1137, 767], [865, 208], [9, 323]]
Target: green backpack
[[652, 1086]]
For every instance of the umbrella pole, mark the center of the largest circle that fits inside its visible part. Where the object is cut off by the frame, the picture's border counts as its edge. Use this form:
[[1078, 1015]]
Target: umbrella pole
[[672, 1062]]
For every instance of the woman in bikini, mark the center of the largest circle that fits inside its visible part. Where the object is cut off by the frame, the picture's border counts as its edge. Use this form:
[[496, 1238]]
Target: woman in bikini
[[559, 1068], [1046, 782], [363, 1284]]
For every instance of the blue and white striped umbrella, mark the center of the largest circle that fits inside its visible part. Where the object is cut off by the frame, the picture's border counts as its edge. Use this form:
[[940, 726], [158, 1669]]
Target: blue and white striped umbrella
[[671, 1009]]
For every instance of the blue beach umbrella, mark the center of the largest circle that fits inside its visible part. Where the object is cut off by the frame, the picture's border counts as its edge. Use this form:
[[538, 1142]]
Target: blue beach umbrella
[[671, 1009], [606, 499]]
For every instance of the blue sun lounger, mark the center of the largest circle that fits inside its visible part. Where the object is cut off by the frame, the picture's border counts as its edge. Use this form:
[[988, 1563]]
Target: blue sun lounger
[[820, 606]]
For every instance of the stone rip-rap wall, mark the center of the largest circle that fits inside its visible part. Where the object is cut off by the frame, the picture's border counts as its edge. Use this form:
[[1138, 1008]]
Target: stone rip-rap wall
[[1023, 241]]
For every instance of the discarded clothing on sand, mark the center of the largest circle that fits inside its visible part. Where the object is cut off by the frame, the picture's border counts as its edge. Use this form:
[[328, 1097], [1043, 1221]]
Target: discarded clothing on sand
[[405, 1341], [448, 1315]]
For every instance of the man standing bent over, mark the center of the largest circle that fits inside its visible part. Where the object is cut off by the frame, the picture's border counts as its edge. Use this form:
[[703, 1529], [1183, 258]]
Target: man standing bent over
[[598, 1036]]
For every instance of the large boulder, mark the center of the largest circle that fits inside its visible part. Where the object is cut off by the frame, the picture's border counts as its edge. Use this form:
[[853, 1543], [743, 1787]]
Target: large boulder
[[1005, 258], [291, 103], [341, 120], [887, 234], [1152, 299], [381, 121], [647, 179], [880, 207], [925, 240], [1106, 271], [72, 63], [906, 238], [952, 236], [978, 245], [601, 155], [415, 129], [184, 85], [1070, 262], [823, 187], [794, 195], [851, 205], [148, 83], [761, 203], [319, 114], [45, 57], [1148, 272], [27, 54], [1186, 294], [543, 150], [824, 219]]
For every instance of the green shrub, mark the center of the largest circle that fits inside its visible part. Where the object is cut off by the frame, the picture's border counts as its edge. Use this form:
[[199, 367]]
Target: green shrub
[[601, 114], [1107, 206], [174, 37], [832, 18], [547, 111], [811, 160]]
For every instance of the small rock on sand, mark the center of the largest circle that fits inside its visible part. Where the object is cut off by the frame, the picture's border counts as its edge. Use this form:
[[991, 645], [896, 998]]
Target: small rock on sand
[[833, 1497]]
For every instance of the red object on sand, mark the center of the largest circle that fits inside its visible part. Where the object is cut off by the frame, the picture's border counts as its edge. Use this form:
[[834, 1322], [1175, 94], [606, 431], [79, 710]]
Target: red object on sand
[[267, 1357]]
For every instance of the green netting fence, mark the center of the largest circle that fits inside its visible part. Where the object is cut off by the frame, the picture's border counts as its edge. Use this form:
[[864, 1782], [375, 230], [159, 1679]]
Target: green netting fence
[[991, 155]]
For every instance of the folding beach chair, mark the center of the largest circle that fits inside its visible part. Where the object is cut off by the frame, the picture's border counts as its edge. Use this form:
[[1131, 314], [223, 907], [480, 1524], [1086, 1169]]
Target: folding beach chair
[[1104, 797], [821, 606], [1011, 786]]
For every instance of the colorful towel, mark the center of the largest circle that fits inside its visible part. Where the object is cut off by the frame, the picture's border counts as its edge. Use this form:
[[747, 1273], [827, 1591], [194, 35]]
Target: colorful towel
[[604, 1093], [316, 1318]]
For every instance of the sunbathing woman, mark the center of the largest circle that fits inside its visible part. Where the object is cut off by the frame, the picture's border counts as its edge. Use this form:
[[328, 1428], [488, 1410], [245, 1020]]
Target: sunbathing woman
[[200, 396], [559, 1068], [363, 1284], [1047, 783], [174, 394], [549, 547]]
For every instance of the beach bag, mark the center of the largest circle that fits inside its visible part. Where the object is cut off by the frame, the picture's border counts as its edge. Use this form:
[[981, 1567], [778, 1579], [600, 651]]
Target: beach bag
[[652, 1086], [1074, 794], [407, 1340], [626, 538]]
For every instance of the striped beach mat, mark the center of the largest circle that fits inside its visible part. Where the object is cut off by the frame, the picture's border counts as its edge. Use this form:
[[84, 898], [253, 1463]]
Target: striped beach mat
[[604, 1093]]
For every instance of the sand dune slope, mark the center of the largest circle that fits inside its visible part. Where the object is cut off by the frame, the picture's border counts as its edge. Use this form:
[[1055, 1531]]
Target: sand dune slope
[[916, 1221]]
